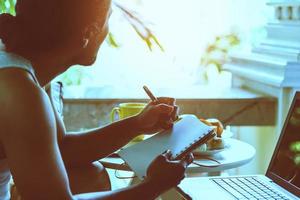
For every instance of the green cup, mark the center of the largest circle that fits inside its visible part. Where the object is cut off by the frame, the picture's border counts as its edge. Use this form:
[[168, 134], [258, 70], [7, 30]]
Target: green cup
[[125, 110]]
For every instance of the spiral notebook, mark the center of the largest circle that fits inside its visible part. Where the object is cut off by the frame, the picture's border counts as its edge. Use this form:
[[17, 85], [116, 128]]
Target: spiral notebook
[[187, 134]]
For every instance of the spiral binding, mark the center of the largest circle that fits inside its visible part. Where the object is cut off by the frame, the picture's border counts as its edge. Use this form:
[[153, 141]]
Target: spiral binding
[[191, 144]]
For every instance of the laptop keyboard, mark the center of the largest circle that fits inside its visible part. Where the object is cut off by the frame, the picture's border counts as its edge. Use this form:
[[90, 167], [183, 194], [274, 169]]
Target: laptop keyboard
[[248, 188]]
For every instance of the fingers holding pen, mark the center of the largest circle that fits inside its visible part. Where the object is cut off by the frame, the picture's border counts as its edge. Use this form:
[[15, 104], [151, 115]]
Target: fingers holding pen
[[165, 106], [167, 115], [165, 109]]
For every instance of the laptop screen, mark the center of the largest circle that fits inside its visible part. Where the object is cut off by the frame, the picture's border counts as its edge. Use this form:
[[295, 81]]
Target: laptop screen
[[286, 160]]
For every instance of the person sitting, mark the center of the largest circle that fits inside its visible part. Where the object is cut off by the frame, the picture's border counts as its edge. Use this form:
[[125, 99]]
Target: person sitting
[[43, 40]]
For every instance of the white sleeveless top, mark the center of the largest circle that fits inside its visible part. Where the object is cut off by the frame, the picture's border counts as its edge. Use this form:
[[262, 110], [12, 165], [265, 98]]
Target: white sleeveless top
[[9, 60]]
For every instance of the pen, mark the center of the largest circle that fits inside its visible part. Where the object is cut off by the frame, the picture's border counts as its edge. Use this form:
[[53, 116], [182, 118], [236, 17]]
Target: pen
[[149, 93]]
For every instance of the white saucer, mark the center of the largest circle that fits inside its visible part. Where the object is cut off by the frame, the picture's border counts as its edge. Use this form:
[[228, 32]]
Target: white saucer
[[210, 152]]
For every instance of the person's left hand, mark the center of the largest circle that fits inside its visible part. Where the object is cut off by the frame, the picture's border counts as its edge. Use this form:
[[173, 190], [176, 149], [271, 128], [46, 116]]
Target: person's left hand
[[155, 117]]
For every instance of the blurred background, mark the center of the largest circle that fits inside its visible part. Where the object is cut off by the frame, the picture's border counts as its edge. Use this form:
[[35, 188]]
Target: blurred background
[[191, 50], [193, 40]]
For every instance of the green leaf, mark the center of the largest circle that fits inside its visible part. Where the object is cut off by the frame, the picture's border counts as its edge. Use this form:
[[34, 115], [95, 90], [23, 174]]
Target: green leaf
[[158, 43], [295, 146], [112, 41], [7, 6], [12, 7], [2, 6], [140, 27]]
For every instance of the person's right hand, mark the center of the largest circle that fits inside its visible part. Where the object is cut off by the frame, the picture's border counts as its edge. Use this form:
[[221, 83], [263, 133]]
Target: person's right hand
[[165, 174]]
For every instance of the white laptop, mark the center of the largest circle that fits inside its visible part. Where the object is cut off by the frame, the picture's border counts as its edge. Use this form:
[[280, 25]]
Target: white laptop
[[282, 179]]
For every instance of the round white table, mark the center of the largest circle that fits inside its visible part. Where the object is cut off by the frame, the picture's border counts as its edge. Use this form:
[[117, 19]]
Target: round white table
[[237, 154]]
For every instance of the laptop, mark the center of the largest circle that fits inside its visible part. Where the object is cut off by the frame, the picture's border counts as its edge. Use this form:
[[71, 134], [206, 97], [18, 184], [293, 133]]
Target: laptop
[[282, 179]]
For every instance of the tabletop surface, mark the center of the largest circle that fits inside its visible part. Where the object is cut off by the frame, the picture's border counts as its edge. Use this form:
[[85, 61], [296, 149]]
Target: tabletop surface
[[237, 154]]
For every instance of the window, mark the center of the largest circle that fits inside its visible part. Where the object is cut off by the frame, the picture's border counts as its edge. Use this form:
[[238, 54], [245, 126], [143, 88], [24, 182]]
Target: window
[[184, 28]]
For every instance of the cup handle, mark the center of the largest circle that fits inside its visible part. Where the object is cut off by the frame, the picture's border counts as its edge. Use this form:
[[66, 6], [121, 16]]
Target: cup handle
[[175, 113], [113, 113]]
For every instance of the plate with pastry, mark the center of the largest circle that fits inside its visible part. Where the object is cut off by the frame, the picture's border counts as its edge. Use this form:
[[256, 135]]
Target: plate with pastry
[[212, 147], [218, 143]]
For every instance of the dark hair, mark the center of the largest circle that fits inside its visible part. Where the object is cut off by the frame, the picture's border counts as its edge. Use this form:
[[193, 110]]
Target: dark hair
[[41, 24]]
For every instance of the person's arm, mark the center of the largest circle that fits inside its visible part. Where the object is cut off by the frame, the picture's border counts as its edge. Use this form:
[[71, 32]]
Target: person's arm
[[30, 144], [29, 139], [92, 145], [162, 174], [88, 146]]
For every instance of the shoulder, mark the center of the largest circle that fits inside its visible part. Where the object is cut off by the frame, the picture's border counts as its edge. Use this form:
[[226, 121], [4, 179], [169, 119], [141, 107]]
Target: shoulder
[[18, 86], [15, 79], [24, 100], [12, 76]]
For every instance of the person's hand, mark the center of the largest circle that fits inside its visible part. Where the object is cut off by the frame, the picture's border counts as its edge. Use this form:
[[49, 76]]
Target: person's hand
[[163, 174], [155, 117]]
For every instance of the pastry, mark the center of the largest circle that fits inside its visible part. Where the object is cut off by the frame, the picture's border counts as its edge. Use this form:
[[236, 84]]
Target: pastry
[[215, 143], [216, 123]]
